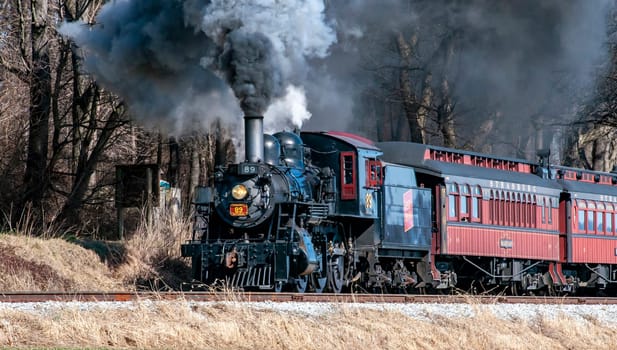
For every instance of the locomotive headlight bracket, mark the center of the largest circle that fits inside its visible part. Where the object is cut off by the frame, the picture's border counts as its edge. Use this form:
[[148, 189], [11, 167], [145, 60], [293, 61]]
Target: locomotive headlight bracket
[[239, 192]]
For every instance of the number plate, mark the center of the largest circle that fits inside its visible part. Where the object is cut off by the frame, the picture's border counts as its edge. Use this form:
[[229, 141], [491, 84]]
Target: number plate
[[238, 209], [247, 169]]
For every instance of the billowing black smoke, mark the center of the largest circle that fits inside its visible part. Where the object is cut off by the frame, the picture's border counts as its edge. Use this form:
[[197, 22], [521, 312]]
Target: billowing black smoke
[[180, 62], [249, 66]]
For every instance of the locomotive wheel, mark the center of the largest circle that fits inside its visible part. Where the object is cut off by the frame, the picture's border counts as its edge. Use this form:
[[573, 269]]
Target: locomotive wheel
[[318, 282], [278, 286], [319, 278], [514, 289], [336, 273], [300, 284]]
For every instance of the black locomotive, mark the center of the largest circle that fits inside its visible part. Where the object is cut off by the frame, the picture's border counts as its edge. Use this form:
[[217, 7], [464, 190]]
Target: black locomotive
[[317, 211]]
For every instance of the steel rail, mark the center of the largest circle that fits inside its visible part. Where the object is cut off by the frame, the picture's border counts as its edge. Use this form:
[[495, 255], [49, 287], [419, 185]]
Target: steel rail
[[31, 297]]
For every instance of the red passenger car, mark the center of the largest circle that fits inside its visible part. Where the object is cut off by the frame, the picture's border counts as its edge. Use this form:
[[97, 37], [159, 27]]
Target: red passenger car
[[588, 210], [496, 220]]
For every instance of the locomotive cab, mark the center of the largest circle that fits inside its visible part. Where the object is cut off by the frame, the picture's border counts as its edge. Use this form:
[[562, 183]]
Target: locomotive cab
[[384, 215], [355, 163]]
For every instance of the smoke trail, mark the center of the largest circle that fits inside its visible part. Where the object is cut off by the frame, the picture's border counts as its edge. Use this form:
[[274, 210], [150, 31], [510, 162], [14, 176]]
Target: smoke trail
[[251, 69], [268, 43], [519, 58], [182, 62]]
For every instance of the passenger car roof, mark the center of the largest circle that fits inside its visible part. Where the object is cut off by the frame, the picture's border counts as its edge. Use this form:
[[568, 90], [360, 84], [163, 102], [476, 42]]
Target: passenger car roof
[[415, 155]]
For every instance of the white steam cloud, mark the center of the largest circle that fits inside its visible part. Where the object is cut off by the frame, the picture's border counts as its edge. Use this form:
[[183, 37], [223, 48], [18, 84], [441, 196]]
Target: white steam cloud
[[287, 112]]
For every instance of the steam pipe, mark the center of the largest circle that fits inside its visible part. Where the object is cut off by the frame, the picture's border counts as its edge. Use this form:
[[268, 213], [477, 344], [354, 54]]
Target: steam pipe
[[254, 138]]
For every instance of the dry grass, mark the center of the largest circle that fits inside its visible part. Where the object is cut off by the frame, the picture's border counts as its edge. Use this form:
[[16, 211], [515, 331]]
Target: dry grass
[[153, 255], [36, 264], [233, 326], [148, 259]]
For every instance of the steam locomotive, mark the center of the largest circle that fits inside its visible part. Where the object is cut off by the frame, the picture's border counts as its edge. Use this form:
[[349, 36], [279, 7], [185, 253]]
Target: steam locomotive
[[331, 211]]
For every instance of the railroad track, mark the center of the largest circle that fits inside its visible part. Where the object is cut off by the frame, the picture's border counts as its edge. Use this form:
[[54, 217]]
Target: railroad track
[[15, 297]]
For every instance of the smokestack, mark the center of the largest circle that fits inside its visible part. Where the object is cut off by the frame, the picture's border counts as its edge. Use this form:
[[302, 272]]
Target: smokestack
[[254, 138]]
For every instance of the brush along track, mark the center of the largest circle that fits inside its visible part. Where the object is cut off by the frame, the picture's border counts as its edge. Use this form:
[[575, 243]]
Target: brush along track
[[294, 297]]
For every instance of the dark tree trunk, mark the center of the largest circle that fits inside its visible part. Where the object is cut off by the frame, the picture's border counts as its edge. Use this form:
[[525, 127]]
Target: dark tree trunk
[[445, 117], [174, 162], [87, 164], [36, 179], [425, 105], [410, 103], [194, 175]]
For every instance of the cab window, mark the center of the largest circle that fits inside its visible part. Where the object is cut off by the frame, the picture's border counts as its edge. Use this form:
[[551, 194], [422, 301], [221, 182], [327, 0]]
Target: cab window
[[373, 173], [348, 175], [609, 219]]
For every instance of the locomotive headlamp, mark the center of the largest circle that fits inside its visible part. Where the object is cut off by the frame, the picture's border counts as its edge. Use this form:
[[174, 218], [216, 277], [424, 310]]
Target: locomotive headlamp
[[239, 192]]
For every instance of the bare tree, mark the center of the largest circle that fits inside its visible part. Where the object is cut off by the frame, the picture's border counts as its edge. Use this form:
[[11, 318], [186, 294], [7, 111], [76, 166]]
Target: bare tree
[[205, 151], [591, 140], [36, 180], [71, 120], [445, 109], [408, 96], [476, 73]]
